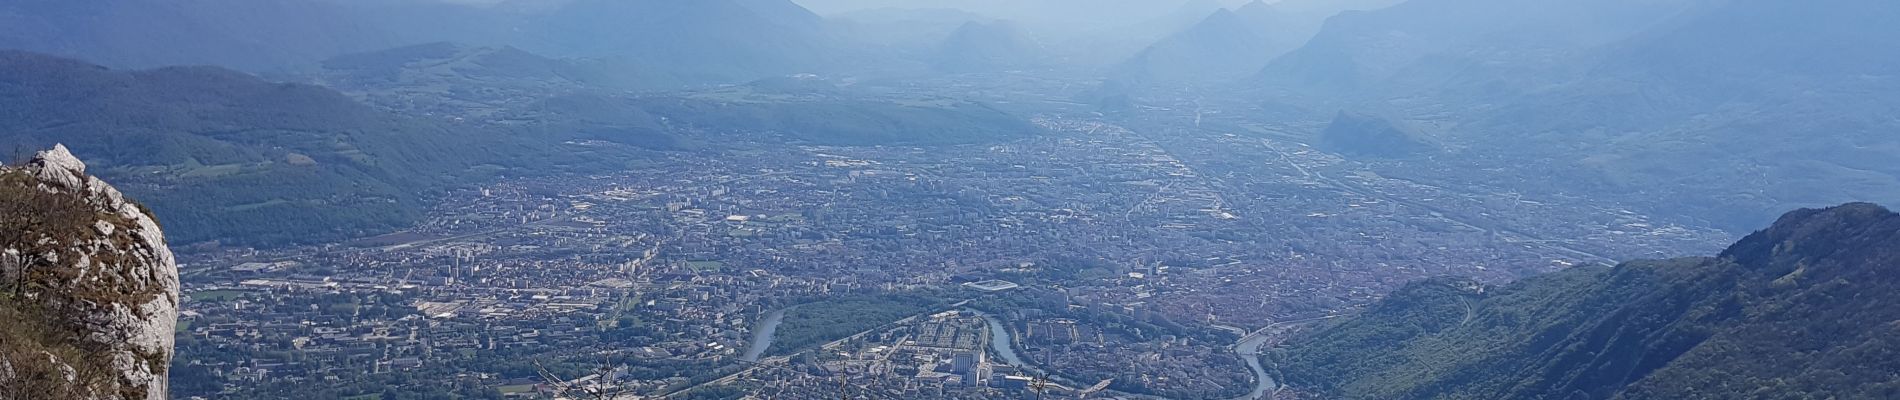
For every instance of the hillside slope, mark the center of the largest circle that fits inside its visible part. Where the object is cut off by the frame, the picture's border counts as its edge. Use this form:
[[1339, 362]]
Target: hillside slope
[[1799, 310], [1465, 45], [228, 156], [1687, 115], [253, 35], [979, 46], [1224, 46], [655, 42], [686, 41]]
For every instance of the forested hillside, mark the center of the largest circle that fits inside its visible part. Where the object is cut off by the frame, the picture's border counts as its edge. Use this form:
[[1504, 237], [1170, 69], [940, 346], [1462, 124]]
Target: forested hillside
[[1800, 310], [226, 156]]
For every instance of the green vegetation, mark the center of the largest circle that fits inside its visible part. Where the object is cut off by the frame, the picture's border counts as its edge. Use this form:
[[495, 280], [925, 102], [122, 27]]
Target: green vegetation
[[808, 115], [32, 330], [229, 157], [1800, 310], [706, 266], [823, 321], [1054, 305], [215, 295], [850, 122], [723, 392], [510, 389], [26, 338]]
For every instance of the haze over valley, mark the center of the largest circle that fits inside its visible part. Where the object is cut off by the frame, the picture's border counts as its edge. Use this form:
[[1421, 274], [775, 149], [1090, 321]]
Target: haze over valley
[[932, 199]]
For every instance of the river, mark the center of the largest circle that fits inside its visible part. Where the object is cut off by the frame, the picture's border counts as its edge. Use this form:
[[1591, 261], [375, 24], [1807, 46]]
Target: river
[[1000, 341], [762, 337], [1247, 349], [1003, 343]]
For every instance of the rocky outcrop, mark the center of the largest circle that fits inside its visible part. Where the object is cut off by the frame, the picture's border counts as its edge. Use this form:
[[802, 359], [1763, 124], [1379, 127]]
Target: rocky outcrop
[[87, 284]]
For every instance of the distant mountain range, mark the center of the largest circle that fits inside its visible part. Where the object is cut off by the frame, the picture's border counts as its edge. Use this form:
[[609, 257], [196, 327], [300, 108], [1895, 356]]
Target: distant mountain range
[[905, 26], [1803, 309], [702, 41], [986, 46], [249, 34], [1228, 45], [1223, 47], [796, 109], [1724, 111], [1421, 44], [694, 41], [222, 155], [471, 82]]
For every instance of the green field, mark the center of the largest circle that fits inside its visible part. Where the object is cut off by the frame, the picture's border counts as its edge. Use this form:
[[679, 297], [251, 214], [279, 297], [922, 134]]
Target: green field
[[214, 171], [216, 295], [258, 205], [706, 266]]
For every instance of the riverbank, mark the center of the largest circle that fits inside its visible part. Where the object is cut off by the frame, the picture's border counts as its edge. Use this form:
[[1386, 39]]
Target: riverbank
[[1003, 343], [763, 335]]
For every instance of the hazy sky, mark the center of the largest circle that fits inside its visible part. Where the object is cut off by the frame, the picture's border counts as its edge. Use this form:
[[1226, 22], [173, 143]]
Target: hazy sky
[[1045, 15], [1005, 6]]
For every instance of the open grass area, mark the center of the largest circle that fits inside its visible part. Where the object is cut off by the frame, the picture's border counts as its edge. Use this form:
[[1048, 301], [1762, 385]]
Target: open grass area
[[214, 171], [258, 205], [706, 266], [215, 295]]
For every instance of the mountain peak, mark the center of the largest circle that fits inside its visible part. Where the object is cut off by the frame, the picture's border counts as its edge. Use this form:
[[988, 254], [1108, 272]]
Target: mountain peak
[[1198, 6], [1221, 16], [91, 290], [985, 45], [1254, 5], [59, 165], [1258, 12], [1811, 237]]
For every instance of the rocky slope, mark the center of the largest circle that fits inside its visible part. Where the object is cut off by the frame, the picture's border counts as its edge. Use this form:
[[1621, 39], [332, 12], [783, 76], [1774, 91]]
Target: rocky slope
[[1800, 310], [88, 288]]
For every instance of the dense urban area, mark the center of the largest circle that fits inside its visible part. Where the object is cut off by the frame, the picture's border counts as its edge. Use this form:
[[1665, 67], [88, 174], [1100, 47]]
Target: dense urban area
[[946, 199], [1130, 260]]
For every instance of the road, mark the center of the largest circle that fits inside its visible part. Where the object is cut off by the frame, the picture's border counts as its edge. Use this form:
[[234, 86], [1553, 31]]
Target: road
[[1471, 311]]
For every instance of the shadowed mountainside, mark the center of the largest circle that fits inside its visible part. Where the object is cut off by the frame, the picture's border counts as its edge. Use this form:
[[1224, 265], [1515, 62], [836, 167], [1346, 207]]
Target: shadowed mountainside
[[1799, 310]]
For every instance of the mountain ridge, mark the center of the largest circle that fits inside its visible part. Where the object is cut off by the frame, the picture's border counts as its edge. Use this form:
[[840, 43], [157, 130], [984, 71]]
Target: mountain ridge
[[229, 156], [1791, 310]]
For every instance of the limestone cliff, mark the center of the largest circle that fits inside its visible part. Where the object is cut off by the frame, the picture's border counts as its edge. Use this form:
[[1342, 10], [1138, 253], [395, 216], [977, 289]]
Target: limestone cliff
[[88, 289]]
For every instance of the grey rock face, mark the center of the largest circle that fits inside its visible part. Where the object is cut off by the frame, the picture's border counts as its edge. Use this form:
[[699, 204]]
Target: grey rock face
[[109, 284]]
